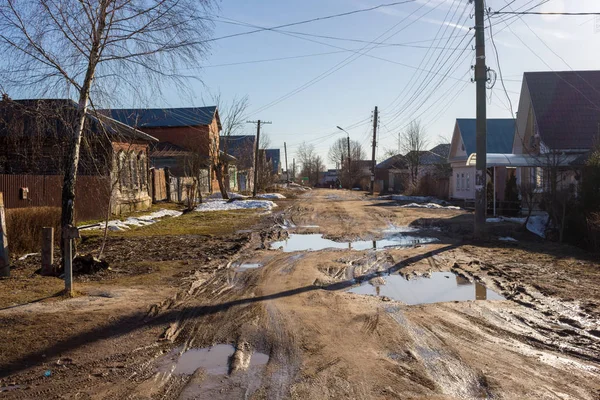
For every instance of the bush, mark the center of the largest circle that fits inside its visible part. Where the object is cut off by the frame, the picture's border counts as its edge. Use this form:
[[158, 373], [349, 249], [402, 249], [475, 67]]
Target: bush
[[24, 228]]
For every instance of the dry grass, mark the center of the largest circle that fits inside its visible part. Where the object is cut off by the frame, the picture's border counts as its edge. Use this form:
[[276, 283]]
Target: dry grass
[[24, 226]]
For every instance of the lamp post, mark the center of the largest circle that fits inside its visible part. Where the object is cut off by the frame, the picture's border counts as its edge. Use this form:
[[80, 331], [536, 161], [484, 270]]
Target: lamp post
[[348, 141]]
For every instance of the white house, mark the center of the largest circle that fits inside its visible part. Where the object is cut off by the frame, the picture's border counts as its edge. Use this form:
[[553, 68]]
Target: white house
[[500, 134]]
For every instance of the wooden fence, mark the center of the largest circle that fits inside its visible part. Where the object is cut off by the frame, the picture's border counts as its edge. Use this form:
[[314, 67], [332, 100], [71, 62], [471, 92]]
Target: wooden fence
[[92, 193]]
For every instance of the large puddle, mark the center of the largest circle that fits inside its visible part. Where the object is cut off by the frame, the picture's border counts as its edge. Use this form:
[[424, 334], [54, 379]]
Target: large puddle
[[440, 287], [214, 360], [316, 242]]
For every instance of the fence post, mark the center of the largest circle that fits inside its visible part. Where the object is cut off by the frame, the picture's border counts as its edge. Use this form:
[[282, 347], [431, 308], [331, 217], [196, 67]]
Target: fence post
[[4, 262], [168, 183], [68, 235], [47, 251]]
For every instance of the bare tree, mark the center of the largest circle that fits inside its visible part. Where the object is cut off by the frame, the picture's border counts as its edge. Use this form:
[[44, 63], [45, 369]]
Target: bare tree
[[413, 143], [232, 122], [338, 154], [530, 197], [96, 49]]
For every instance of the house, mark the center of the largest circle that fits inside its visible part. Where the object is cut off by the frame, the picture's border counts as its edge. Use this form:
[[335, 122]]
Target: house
[[34, 139], [391, 175], [274, 160], [195, 129], [330, 178], [557, 123], [500, 134], [241, 147]]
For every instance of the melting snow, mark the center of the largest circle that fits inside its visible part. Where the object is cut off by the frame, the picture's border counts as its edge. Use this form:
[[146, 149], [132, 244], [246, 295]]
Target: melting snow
[[429, 205], [223, 205], [270, 196], [536, 223], [142, 220], [508, 239]]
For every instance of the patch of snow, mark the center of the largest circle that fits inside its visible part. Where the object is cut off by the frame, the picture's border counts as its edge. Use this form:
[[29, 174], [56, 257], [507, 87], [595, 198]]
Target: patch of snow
[[223, 205], [218, 196], [26, 256], [430, 206], [143, 220], [270, 196], [416, 199], [535, 225], [507, 239], [493, 220]]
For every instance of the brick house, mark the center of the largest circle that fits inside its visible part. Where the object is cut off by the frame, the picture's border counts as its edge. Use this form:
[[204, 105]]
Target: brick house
[[34, 139], [194, 129]]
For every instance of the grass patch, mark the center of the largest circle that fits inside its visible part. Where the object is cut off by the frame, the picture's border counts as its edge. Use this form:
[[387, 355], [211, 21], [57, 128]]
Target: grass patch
[[24, 226], [193, 223]]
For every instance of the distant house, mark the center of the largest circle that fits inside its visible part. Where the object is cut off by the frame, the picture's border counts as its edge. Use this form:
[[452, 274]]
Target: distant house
[[500, 134], [34, 140], [195, 129], [242, 148], [330, 178], [557, 123], [274, 160], [393, 174]]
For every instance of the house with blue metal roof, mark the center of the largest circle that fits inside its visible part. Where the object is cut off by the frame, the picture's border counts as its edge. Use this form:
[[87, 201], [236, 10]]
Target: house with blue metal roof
[[192, 130], [500, 135]]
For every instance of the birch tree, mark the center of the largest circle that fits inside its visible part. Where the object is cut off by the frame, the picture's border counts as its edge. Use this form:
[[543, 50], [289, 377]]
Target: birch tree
[[413, 142], [98, 50]]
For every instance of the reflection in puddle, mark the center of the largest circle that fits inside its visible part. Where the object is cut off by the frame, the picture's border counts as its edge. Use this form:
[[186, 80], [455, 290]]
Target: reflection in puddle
[[440, 287], [315, 242], [214, 360]]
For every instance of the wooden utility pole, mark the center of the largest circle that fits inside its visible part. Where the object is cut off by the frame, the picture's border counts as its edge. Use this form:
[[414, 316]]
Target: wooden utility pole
[[294, 169], [256, 151], [287, 171], [481, 124], [4, 260], [375, 116], [48, 251]]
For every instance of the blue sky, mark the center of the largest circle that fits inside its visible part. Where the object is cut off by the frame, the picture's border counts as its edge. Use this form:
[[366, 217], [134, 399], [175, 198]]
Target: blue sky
[[348, 95]]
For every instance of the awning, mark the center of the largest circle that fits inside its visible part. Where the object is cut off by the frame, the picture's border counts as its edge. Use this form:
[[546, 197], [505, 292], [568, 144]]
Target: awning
[[525, 160]]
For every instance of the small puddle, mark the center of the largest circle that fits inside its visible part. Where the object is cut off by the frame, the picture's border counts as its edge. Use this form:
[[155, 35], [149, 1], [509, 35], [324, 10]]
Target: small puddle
[[440, 287], [214, 360], [241, 267], [316, 242]]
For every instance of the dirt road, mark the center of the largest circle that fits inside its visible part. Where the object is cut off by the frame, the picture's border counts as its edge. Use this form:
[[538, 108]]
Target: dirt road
[[389, 302]]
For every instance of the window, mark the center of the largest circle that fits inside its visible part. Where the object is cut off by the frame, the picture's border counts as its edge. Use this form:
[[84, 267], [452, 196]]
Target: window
[[457, 182], [468, 181], [462, 179], [539, 178], [133, 168]]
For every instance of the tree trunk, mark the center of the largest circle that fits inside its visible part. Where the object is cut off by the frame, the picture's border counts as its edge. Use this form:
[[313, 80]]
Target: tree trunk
[[72, 162], [219, 173]]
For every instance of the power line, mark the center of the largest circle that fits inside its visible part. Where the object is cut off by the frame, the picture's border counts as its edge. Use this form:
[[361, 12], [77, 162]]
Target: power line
[[346, 61], [261, 29], [543, 13]]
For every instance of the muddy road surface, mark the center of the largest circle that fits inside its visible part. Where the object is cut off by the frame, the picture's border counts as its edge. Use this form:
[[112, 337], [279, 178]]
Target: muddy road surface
[[337, 295]]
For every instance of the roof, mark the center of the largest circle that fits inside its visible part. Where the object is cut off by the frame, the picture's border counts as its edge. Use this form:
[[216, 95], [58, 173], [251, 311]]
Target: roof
[[437, 155], [395, 162], [524, 160], [566, 107], [500, 134], [167, 149], [165, 117], [237, 144], [99, 123]]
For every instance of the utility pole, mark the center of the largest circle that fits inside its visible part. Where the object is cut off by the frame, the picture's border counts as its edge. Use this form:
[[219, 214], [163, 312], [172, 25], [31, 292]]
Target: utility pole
[[481, 124], [256, 151], [294, 169], [287, 171], [375, 116]]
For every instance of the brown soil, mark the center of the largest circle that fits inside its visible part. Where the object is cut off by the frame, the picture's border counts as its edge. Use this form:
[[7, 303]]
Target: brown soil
[[182, 291]]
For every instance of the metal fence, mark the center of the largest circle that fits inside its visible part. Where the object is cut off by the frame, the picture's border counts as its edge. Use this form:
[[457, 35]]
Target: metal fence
[[92, 193]]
